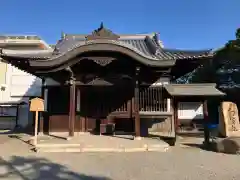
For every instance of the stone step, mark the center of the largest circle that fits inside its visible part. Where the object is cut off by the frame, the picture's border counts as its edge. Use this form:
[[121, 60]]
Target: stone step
[[48, 145], [74, 148]]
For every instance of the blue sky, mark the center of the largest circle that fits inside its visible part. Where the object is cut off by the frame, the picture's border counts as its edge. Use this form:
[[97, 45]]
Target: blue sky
[[185, 24]]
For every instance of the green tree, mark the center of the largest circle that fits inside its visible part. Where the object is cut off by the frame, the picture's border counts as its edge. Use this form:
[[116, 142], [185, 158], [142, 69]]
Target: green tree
[[223, 68]]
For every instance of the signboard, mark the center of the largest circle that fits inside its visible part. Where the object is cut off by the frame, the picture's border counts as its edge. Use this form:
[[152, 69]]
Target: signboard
[[37, 104]]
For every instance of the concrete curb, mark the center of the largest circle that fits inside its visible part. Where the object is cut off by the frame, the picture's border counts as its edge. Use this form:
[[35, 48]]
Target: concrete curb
[[88, 149], [57, 145]]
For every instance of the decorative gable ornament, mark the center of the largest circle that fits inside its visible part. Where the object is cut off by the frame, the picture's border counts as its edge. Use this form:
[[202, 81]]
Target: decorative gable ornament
[[102, 33]]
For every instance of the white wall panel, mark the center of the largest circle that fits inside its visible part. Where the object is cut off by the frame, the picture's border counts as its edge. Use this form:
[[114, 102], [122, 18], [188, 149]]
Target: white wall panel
[[17, 71], [190, 110], [19, 86], [25, 80], [20, 90], [20, 83]]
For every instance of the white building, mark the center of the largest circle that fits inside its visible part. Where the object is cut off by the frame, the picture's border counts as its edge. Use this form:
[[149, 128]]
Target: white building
[[16, 85]]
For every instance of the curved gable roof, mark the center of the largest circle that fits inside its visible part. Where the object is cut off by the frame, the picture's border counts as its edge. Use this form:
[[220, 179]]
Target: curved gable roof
[[144, 48]]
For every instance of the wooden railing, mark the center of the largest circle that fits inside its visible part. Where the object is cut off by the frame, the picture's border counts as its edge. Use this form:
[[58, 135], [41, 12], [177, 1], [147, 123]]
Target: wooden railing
[[123, 108], [152, 99]]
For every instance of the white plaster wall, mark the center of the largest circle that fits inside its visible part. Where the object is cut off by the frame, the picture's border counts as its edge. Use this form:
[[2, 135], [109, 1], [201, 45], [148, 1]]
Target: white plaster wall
[[21, 84], [190, 110], [19, 87]]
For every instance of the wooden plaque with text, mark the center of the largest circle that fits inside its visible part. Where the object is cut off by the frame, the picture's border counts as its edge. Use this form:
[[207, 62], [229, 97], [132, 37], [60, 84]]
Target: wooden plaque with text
[[37, 104]]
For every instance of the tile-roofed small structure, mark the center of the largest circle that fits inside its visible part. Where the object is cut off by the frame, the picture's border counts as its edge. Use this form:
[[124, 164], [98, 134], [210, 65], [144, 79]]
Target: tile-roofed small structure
[[185, 90]]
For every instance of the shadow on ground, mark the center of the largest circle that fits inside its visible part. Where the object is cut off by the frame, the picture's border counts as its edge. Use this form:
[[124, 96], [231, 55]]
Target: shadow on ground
[[16, 134], [39, 169]]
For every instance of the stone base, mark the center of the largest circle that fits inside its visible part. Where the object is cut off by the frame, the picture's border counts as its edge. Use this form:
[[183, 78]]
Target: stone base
[[137, 138], [41, 134], [68, 138], [83, 133], [229, 145], [234, 134]]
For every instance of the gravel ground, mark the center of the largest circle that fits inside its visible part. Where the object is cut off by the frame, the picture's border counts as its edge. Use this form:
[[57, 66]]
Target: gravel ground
[[177, 164]]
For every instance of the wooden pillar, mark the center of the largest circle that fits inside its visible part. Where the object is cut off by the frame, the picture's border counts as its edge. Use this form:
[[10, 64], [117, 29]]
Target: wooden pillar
[[136, 95], [72, 109], [206, 122], [175, 109], [174, 122], [83, 120], [41, 119]]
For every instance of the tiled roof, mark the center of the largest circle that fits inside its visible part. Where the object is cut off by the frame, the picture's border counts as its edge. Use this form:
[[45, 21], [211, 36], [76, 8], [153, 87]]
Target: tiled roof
[[145, 45], [21, 41], [37, 54], [207, 89], [19, 37]]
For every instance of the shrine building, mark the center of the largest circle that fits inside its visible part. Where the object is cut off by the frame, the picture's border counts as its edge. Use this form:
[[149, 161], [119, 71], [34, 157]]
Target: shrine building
[[104, 82]]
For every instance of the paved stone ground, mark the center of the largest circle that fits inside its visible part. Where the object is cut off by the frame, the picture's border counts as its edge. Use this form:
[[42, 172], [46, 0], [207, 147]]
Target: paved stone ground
[[179, 163]]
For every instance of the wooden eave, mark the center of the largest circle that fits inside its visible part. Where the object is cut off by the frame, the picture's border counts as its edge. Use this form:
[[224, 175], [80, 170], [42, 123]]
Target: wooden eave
[[145, 49], [46, 65], [194, 90]]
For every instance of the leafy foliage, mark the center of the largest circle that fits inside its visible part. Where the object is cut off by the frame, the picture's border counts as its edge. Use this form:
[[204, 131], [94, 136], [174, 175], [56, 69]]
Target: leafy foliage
[[223, 68]]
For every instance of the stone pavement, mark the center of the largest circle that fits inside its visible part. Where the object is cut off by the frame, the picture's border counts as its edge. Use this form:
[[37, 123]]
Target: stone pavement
[[182, 162], [10, 145], [176, 164]]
